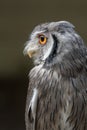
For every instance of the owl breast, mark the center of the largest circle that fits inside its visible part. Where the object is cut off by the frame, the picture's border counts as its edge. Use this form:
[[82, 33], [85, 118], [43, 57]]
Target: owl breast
[[58, 101], [54, 101]]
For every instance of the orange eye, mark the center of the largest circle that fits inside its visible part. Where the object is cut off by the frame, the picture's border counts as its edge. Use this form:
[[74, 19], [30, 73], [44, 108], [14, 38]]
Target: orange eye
[[42, 39]]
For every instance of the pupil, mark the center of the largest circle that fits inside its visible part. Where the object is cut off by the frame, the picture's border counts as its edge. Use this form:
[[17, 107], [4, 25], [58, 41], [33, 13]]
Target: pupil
[[42, 39]]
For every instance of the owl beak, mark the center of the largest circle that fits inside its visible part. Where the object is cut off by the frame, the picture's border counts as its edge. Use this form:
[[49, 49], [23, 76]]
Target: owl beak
[[30, 49], [31, 53]]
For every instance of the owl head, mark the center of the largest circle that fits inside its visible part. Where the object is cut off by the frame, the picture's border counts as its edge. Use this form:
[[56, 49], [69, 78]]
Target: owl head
[[55, 44]]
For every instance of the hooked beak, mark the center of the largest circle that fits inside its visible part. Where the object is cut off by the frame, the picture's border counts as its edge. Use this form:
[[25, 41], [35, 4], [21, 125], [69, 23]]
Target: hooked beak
[[30, 49], [31, 53]]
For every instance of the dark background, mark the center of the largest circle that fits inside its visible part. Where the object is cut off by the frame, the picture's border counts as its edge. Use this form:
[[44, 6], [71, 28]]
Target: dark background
[[17, 19]]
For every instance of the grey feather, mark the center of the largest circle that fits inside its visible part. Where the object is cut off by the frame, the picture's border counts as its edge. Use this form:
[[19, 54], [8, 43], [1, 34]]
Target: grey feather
[[61, 81]]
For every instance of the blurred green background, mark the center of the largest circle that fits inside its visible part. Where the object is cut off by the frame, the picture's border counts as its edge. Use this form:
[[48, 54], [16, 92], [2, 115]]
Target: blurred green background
[[17, 19]]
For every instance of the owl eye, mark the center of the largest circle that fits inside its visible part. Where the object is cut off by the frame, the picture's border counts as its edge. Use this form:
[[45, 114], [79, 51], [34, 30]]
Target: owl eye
[[42, 39]]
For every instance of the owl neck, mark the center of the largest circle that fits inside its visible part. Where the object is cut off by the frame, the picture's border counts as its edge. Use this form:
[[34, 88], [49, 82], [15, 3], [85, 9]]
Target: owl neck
[[71, 65]]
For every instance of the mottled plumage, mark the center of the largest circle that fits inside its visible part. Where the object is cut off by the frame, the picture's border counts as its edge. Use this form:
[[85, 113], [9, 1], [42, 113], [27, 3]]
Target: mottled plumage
[[57, 92]]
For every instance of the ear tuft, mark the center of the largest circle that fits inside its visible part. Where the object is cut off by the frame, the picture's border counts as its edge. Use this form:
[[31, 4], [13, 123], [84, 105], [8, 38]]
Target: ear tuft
[[65, 24]]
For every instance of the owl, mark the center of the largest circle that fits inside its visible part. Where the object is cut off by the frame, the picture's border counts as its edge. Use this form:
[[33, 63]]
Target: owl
[[57, 92]]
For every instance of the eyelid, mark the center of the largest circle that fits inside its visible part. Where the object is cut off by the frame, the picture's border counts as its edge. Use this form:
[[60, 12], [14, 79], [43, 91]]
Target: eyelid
[[41, 35]]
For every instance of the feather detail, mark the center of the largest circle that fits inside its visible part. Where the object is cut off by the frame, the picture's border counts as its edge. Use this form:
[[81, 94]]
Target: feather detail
[[33, 107]]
